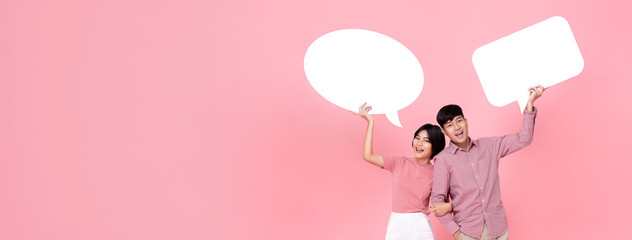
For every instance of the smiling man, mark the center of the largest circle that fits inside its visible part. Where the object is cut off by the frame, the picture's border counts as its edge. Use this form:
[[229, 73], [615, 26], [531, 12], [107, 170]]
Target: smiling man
[[467, 172]]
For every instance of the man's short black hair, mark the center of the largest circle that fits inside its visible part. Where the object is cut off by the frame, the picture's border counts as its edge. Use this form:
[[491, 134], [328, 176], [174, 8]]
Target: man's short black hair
[[447, 113]]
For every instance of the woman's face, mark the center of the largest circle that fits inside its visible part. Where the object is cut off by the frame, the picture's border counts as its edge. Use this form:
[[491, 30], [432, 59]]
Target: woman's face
[[422, 146]]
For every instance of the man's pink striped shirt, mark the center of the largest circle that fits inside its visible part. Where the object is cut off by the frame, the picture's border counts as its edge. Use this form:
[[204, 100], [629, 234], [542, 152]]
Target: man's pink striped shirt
[[471, 180]]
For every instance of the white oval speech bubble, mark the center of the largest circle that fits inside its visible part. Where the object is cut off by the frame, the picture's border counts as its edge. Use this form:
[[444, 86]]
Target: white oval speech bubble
[[351, 66]]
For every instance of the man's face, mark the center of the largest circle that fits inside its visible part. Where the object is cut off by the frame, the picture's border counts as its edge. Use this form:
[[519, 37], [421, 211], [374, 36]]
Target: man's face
[[456, 129]]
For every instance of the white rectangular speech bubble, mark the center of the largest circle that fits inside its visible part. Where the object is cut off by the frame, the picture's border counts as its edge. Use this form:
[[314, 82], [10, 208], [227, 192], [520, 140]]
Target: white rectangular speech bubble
[[545, 53]]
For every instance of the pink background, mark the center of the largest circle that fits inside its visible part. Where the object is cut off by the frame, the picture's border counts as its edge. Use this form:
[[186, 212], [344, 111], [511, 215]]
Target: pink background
[[194, 119]]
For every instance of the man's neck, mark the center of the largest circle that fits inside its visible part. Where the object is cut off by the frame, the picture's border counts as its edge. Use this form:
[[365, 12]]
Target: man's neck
[[466, 145]]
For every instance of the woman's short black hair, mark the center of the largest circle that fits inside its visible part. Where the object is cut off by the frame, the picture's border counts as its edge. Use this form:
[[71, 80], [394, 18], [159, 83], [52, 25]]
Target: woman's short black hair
[[447, 113], [437, 140]]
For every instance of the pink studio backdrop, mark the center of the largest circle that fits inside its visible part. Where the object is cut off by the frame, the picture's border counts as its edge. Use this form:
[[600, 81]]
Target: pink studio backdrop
[[194, 119]]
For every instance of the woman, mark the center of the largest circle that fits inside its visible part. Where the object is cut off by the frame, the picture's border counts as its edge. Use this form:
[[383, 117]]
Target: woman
[[412, 181]]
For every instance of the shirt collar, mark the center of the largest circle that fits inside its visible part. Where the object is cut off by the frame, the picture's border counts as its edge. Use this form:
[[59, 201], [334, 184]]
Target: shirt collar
[[452, 148]]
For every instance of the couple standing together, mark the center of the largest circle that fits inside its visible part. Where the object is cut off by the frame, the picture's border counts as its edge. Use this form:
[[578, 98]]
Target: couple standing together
[[462, 188]]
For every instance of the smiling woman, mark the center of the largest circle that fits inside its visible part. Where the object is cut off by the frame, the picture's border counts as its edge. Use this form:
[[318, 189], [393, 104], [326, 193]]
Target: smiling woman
[[412, 181], [429, 133]]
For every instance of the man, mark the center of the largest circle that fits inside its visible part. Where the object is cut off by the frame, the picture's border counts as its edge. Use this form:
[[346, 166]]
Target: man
[[467, 170]]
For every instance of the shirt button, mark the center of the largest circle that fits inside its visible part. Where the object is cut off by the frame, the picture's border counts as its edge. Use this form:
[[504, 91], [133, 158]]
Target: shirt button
[[483, 200], [472, 164], [476, 176]]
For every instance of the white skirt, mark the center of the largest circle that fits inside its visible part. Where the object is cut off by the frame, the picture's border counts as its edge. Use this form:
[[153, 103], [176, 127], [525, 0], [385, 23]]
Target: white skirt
[[409, 226]]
